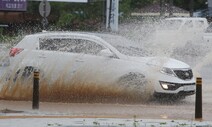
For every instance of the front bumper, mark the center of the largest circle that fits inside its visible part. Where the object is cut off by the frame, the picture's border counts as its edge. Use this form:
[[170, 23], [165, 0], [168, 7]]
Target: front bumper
[[170, 89], [180, 94]]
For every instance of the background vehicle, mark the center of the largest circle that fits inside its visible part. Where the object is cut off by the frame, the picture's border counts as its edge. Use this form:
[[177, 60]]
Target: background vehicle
[[177, 32], [96, 59], [207, 37]]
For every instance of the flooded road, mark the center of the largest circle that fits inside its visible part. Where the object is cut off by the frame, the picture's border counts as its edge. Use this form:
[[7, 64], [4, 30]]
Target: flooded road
[[153, 110]]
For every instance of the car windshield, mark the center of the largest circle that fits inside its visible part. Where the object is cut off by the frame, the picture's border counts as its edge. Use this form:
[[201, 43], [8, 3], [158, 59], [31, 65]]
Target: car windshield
[[170, 25], [209, 29]]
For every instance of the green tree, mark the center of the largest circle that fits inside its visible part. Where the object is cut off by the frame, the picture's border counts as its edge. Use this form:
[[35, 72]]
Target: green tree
[[198, 4], [141, 3], [125, 7], [80, 16]]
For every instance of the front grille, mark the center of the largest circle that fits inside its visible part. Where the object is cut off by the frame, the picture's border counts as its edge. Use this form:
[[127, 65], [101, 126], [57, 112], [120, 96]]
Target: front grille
[[184, 74]]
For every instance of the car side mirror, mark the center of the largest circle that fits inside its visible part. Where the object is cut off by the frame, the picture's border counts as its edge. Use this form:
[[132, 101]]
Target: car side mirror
[[106, 52]]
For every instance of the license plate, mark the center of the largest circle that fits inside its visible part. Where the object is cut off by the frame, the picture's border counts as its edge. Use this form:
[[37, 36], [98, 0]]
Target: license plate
[[189, 88]]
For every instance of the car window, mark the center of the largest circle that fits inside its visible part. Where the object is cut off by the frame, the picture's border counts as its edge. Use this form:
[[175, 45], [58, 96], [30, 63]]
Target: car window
[[209, 29], [170, 25], [199, 23], [70, 45], [188, 25]]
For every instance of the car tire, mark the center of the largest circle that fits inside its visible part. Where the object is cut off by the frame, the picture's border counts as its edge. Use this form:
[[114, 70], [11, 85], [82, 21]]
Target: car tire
[[24, 74], [132, 80], [137, 84]]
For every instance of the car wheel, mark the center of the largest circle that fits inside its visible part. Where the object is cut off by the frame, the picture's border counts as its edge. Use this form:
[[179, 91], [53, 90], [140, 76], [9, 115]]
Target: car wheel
[[24, 74], [132, 81], [137, 84], [27, 71]]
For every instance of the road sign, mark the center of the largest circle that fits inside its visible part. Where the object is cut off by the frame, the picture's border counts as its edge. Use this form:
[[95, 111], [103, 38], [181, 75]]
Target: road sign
[[44, 8], [77, 1], [13, 5]]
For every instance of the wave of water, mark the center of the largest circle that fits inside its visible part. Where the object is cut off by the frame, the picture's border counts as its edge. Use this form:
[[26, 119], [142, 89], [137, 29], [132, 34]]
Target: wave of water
[[196, 53]]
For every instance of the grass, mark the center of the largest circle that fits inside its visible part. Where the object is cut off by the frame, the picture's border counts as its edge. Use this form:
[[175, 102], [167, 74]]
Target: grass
[[130, 123]]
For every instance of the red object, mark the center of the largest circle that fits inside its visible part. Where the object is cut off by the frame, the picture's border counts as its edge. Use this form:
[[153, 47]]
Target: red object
[[15, 51]]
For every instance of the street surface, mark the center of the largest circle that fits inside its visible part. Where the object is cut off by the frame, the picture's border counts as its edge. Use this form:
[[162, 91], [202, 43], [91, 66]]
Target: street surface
[[184, 109]]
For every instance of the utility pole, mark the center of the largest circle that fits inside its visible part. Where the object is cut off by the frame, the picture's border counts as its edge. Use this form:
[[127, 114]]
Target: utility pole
[[209, 8], [162, 13], [191, 7], [170, 8], [112, 14]]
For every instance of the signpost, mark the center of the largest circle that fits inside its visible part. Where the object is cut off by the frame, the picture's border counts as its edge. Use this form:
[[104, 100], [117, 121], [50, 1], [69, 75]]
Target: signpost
[[13, 5], [44, 10]]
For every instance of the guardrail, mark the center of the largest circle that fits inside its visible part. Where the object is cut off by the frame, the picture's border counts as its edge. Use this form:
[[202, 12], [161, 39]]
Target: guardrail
[[3, 25]]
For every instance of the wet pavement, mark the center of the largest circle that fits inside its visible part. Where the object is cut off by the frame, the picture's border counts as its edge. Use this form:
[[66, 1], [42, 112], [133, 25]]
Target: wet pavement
[[102, 115], [184, 109]]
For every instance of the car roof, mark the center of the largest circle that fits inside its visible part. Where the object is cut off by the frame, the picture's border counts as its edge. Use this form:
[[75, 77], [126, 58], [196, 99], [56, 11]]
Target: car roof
[[63, 34], [185, 18], [70, 33]]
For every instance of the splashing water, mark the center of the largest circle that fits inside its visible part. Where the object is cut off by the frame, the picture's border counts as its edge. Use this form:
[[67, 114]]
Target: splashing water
[[74, 91], [144, 33], [62, 86]]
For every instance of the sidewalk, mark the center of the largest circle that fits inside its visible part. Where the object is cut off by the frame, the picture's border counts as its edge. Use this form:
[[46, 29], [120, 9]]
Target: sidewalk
[[12, 118], [99, 122]]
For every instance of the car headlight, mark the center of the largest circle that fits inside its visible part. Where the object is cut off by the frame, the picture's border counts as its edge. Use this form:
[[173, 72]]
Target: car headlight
[[168, 71]]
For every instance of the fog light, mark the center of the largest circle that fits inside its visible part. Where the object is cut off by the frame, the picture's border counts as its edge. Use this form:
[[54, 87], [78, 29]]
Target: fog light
[[169, 86], [165, 86]]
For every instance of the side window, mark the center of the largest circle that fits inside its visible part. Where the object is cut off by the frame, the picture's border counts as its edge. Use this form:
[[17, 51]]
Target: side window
[[70, 45], [209, 29], [48, 44], [88, 47], [199, 24], [188, 25]]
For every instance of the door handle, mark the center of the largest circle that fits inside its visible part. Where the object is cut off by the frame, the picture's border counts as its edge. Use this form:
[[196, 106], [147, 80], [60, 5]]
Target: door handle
[[42, 56], [79, 60]]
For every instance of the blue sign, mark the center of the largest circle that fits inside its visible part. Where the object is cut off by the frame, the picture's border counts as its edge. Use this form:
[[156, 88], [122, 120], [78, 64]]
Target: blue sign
[[13, 5]]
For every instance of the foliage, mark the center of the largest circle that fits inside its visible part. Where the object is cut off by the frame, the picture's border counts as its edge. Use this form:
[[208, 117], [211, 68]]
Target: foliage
[[1, 36], [91, 16], [80, 16], [125, 7], [198, 4], [32, 7], [141, 3]]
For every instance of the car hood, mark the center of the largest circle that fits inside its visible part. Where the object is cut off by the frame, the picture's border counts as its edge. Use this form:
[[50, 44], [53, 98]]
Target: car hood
[[161, 62], [167, 30]]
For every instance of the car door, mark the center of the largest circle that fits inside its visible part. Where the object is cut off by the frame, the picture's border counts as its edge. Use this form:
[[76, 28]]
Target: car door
[[80, 61], [97, 64], [57, 57]]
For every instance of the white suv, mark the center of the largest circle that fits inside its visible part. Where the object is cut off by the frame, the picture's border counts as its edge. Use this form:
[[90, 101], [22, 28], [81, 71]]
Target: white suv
[[89, 58]]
